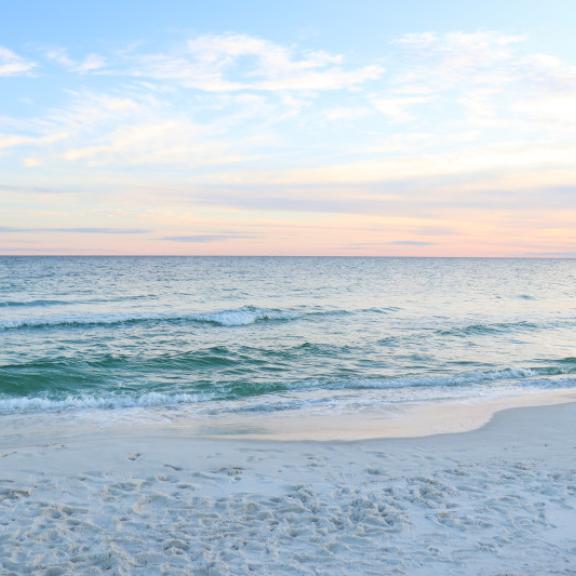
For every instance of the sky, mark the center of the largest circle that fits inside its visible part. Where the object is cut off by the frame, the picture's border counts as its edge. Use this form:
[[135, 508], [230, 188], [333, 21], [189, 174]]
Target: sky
[[309, 127]]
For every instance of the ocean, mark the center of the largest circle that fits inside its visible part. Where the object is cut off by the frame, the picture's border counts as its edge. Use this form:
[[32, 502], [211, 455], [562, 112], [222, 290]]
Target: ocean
[[219, 335]]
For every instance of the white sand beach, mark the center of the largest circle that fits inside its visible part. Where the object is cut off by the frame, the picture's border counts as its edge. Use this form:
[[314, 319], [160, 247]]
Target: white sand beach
[[499, 500]]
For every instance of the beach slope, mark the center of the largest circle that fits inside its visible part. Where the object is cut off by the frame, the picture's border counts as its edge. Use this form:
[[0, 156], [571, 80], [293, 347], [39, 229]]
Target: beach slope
[[495, 501]]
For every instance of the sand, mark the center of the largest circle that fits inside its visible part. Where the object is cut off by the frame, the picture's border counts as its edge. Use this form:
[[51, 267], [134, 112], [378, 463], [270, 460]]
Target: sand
[[496, 501]]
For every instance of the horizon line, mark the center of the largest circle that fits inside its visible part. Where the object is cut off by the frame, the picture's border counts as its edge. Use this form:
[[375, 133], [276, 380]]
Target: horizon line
[[533, 257]]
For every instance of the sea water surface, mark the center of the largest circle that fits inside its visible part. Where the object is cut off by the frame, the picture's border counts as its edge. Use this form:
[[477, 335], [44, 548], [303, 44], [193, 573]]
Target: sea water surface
[[263, 334]]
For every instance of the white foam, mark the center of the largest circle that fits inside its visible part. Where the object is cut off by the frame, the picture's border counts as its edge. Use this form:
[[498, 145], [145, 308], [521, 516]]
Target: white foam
[[244, 316], [441, 381], [86, 402]]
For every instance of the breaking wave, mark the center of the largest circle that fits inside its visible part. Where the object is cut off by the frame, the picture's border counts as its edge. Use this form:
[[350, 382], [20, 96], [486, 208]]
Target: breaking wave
[[508, 378], [234, 317]]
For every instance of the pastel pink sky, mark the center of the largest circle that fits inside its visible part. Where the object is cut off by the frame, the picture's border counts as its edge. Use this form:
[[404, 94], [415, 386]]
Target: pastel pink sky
[[454, 143]]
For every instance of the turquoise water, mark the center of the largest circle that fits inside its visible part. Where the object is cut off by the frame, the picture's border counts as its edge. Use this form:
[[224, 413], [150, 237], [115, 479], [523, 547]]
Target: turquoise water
[[235, 334]]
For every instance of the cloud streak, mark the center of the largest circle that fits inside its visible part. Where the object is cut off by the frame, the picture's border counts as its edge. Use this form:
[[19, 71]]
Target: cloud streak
[[90, 63], [204, 238]]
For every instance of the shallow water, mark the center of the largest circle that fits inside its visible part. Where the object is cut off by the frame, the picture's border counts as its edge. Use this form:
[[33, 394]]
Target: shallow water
[[253, 334]]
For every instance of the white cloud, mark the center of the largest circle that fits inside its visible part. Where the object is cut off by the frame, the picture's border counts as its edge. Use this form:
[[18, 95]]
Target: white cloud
[[85, 116], [443, 61], [11, 64], [482, 87], [235, 62], [144, 129], [482, 59], [89, 63]]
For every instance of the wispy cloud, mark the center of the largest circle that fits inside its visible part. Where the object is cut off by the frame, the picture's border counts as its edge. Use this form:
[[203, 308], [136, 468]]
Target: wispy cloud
[[159, 141], [89, 63], [12, 64], [204, 238], [8, 141], [33, 189], [237, 62]]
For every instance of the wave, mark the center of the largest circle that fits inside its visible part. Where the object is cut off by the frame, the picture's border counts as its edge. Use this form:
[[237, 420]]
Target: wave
[[46, 302], [233, 392], [377, 310], [243, 316], [493, 328], [462, 379], [31, 303], [23, 405], [521, 376]]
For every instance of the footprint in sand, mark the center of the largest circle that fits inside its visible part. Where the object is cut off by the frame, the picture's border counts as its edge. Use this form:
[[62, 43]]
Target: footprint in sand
[[13, 494]]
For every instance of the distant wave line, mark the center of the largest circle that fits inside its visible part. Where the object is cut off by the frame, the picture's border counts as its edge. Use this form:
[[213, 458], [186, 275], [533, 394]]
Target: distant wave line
[[242, 316]]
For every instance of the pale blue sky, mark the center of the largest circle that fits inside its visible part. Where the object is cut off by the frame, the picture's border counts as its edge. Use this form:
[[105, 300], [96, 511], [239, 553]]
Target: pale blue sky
[[318, 127], [344, 25]]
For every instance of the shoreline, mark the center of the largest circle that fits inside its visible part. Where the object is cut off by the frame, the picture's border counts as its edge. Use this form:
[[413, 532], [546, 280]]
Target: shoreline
[[407, 420], [418, 420]]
